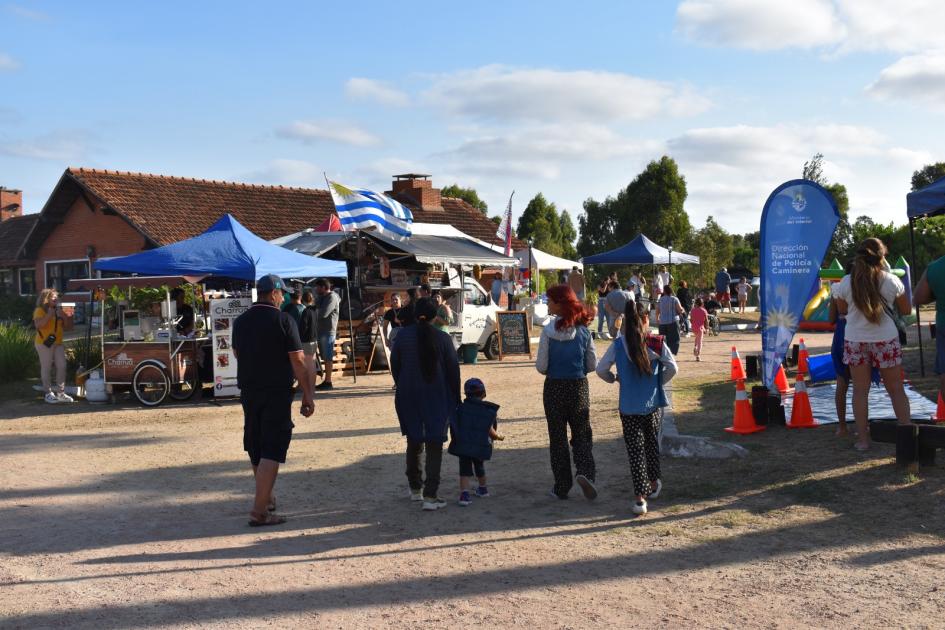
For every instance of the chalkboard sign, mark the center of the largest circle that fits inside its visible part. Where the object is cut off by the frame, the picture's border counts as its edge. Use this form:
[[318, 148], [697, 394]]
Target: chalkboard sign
[[512, 329]]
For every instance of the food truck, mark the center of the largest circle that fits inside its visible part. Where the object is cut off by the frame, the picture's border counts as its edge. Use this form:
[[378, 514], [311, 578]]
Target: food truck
[[141, 348], [382, 266]]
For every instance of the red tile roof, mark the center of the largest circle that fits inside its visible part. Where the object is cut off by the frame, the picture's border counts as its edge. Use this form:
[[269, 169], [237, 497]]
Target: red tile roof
[[13, 233], [169, 209]]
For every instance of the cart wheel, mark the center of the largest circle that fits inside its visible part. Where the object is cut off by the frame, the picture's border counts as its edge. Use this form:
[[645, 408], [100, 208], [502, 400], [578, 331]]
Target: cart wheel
[[492, 347], [150, 384], [186, 390]]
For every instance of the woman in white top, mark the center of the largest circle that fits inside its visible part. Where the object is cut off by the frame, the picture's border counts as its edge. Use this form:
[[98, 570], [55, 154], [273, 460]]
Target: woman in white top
[[871, 338], [669, 309]]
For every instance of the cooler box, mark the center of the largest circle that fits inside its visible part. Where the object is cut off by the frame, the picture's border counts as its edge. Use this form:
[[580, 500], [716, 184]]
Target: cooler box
[[821, 368]]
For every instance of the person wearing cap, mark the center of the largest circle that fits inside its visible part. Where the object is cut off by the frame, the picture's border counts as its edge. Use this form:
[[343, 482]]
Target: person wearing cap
[[327, 309], [473, 428], [723, 288], [269, 354]]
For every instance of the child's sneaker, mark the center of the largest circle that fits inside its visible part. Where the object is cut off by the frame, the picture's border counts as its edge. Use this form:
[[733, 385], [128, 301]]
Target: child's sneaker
[[482, 491], [433, 503], [464, 498]]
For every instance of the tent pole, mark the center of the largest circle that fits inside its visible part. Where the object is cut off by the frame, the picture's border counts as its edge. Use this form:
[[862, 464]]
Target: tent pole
[[918, 321], [351, 330], [357, 277]]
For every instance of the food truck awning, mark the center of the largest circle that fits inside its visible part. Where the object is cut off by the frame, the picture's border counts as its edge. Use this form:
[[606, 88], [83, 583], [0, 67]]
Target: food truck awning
[[444, 249]]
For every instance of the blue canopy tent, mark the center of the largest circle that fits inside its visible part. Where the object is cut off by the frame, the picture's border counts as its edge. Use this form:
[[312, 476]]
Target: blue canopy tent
[[923, 203], [640, 251], [228, 250]]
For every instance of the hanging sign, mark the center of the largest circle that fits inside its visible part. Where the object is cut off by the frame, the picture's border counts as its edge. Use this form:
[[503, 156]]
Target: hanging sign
[[797, 225]]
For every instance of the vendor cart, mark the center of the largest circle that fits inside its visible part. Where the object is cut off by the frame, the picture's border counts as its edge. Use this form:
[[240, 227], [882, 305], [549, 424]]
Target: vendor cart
[[143, 351]]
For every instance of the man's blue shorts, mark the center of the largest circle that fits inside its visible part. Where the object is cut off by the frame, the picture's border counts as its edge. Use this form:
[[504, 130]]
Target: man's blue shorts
[[326, 347]]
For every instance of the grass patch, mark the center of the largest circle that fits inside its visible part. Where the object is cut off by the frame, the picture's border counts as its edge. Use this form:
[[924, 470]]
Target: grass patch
[[17, 354]]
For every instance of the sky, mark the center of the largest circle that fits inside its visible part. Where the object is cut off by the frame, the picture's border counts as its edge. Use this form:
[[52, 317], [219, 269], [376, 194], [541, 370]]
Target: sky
[[570, 100]]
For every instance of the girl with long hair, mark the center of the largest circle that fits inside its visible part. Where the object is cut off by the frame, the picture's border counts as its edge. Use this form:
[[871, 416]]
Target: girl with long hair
[[566, 354], [668, 310], [644, 366], [426, 372], [868, 296]]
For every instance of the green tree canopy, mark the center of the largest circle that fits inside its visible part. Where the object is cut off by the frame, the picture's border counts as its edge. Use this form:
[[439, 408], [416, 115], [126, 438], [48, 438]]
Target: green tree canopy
[[841, 246], [928, 174], [552, 232], [469, 195]]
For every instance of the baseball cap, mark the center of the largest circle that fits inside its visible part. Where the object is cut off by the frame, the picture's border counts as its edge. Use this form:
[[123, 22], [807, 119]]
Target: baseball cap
[[474, 387], [270, 283]]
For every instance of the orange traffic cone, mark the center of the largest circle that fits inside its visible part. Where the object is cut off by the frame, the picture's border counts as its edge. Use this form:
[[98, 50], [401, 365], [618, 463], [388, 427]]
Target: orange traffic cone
[[801, 415], [743, 422], [780, 380], [940, 412], [802, 357], [738, 370]]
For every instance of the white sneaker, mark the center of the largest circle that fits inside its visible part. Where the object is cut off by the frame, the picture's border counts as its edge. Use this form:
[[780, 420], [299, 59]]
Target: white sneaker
[[416, 495], [64, 397], [433, 504], [639, 508], [51, 398], [656, 491]]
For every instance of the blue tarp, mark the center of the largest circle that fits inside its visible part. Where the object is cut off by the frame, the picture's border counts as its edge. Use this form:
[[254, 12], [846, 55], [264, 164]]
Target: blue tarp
[[928, 201], [228, 250], [640, 251]]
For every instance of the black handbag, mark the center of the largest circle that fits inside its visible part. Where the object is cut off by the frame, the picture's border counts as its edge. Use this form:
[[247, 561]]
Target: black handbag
[[898, 321]]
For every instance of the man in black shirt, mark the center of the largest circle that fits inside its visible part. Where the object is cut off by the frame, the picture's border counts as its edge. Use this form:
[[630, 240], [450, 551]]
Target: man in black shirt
[[269, 354]]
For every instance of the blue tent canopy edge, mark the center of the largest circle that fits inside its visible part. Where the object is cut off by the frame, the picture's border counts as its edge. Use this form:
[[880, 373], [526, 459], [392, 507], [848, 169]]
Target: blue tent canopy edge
[[928, 201], [227, 249]]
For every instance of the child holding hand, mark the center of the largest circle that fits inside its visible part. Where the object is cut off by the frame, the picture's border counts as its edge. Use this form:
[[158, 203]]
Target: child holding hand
[[473, 428]]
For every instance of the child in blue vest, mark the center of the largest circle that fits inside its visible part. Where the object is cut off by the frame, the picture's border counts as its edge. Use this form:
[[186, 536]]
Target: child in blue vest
[[644, 365], [473, 428]]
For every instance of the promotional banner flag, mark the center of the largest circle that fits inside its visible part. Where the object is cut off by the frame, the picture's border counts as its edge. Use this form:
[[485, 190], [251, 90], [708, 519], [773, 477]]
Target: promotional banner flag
[[796, 228], [505, 227]]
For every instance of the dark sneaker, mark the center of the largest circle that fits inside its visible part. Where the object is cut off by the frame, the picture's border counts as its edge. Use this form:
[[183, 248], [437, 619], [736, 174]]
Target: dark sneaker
[[324, 385], [482, 491], [556, 495], [464, 498], [587, 487]]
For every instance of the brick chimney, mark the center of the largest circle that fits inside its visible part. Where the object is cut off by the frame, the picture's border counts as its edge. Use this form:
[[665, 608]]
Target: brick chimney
[[11, 203], [417, 190]]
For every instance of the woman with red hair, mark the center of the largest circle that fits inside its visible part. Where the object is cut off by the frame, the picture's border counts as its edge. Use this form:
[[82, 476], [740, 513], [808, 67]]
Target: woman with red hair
[[566, 354]]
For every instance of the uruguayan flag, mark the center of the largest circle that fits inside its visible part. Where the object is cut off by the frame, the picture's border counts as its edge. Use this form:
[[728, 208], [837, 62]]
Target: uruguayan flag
[[365, 208]]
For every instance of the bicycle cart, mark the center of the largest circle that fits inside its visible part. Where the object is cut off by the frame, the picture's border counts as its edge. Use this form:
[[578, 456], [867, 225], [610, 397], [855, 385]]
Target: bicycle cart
[[142, 351]]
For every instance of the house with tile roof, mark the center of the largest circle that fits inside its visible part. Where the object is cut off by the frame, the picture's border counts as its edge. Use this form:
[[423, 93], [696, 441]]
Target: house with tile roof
[[94, 213], [17, 274]]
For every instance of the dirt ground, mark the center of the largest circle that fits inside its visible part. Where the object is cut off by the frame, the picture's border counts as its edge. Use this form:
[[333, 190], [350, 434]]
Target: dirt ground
[[115, 517]]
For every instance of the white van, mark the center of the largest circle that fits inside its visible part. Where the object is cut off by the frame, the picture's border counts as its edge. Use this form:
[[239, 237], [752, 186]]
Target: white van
[[475, 318]]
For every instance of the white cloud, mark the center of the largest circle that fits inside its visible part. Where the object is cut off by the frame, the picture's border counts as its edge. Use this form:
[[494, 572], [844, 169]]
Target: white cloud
[[501, 93], [759, 24], [377, 91], [311, 132], [24, 12], [8, 63], [289, 173], [835, 25], [730, 171], [915, 78], [61, 146], [540, 150]]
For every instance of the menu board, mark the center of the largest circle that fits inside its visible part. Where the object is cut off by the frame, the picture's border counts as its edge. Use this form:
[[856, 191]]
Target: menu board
[[512, 329], [223, 313]]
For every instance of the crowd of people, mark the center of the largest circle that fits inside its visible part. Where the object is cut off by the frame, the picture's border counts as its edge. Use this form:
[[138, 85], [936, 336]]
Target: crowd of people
[[433, 406]]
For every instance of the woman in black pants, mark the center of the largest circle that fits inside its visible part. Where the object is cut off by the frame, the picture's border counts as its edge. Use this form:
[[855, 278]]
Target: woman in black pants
[[426, 371], [566, 355]]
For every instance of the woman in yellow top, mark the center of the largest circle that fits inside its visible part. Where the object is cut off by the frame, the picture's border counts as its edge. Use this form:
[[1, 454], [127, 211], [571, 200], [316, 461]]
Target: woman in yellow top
[[47, 318]]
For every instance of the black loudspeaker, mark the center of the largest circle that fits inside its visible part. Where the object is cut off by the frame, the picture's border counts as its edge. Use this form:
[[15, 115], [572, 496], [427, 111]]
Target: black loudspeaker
[[791, 359], [775, 409], [759, 404], [751, 366]]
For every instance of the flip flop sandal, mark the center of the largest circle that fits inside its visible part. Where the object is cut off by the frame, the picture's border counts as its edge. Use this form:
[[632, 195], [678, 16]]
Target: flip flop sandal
[[269, 519], [272, 505]]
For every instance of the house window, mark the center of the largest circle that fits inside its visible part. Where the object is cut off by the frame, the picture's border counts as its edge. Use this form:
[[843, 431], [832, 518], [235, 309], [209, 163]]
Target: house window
[[27, 282], [60, 272], [6, 282]]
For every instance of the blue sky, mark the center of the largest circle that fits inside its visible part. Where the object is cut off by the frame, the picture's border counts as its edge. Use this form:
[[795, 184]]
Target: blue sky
[[569, 100]]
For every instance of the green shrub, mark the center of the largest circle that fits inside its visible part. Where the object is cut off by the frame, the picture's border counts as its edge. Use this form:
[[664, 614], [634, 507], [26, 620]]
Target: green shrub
[[14, 308], [18, 358]]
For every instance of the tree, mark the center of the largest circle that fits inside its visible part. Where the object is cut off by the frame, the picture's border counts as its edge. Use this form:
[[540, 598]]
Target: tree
[[568, 236], [928, 174], [841, 245], [469, 195], [814, 169], [714, 247]]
